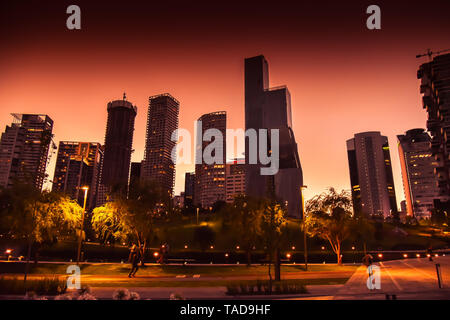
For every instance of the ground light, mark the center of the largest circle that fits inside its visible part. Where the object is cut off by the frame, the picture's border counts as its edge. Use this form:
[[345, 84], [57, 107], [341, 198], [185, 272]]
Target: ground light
[[405, 255], [418, 255], [380, 255], [288, 255], [155, 254]]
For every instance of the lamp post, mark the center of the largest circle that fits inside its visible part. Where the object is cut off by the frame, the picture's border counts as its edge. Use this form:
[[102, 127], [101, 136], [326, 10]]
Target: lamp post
[[305, 247], [82, 223]]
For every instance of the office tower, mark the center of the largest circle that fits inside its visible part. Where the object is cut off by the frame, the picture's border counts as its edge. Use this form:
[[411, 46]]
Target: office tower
[[435, 90], [162, 121], [210, 178], [118, 143], [78, 165], [369, 160], [178, 201], [235, 179], [24, 149], [135, 173], [418, 165], [270, 108], [189, 186]]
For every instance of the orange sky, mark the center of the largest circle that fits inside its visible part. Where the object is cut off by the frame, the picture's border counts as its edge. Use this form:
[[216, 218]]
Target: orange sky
[[343, 78]]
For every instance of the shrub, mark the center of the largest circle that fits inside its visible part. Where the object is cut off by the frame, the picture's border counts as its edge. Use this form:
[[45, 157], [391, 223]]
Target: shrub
[[263, 287], [45, 286]]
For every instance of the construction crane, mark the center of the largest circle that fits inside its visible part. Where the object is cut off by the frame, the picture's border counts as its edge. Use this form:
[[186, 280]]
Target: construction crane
[[431, 53]]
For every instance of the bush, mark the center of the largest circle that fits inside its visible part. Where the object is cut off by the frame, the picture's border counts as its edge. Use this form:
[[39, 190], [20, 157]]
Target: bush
[[45, 286], [263, 287]]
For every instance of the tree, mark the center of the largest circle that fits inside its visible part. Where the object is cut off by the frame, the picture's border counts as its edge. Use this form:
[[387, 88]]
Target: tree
[[204, 236], [329, 217], [36, 216], [245, 219], [132, 217], [273, 221]]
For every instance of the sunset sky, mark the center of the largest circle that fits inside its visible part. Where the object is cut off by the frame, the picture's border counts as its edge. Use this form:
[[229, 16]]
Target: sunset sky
[[343, 78]]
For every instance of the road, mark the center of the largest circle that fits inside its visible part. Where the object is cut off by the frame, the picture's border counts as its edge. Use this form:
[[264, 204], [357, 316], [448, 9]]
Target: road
[[413, 278]]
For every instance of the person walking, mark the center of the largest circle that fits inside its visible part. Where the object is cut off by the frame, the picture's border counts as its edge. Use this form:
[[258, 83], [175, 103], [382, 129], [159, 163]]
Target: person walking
[[134, 259]]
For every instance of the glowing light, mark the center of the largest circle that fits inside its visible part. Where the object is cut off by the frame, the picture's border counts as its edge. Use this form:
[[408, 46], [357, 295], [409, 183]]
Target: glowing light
[[293, 248], [323, 248], [418, 255], [288, 255], [405, 255], [155, 254], [237, 247], [185, 246], [428, 255], [212, 247], [226, 255], [353, 248], [436, 255], [380, 255], [8, 251]]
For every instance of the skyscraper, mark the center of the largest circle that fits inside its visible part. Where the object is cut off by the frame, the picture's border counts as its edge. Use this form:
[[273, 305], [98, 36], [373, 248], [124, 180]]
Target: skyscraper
[[77, 165], [162, 121], [270, 108], [435, 89], [210, 178], [371, 176], [189, 186], [24, 149], [118, 142], [235, 179], [135, 172], [419, 180]]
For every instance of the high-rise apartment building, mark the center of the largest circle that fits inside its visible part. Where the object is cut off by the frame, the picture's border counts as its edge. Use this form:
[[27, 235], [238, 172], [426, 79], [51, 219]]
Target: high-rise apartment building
[[435, 90], [24, 147], [210, 178], [235, 179], [118, 143], [270, 108], [77, 165], [418, 165], [135, 173], [372, 182], [162, 121], [189, 187]]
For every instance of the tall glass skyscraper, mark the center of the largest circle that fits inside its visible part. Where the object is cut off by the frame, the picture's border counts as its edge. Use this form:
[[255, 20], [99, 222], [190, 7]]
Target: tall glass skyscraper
[[270, 108], [371, 176]]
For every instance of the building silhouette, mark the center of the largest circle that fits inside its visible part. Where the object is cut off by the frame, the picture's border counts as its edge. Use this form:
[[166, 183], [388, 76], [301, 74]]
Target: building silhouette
[[78, 164], [118, 143], [162, 121], [435, 90], [25, 146], [135, 173], [235, 179], [372, 182], [210, 178], [270, 108], [189, 187]]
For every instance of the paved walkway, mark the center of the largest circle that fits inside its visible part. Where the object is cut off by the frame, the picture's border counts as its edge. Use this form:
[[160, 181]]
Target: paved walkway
[[413, 278]]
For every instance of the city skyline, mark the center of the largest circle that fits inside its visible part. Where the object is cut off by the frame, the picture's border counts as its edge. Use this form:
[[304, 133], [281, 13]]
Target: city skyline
[[333, 75]]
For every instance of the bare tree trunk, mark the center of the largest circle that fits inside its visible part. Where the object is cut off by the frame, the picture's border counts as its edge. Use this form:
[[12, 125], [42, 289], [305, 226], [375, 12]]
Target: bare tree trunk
[[270, 274], [249, 257], [277, 265], [30, 242]]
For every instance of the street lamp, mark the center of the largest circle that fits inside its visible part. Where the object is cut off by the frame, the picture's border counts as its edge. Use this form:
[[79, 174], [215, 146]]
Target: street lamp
[[304, 228], [85, 188]]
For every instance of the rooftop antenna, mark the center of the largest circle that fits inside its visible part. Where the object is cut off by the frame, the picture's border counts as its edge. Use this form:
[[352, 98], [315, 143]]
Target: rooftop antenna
[[430, 53]]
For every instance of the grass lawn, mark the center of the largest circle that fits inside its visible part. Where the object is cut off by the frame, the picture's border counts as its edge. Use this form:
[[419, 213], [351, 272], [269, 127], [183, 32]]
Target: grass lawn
[[211, 283], [167, 270]]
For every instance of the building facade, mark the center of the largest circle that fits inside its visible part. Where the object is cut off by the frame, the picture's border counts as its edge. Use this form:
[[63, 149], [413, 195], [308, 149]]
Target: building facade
[[78, 164], [118, 143], [235, 179], [25, 146], [162, 121], [435, 90], [189, 187], [418, 165], [371, 178], [210, 178], [270, 108]]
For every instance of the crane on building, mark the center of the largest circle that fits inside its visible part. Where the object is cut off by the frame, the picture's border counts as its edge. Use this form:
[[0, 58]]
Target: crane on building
[[430, 53]]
